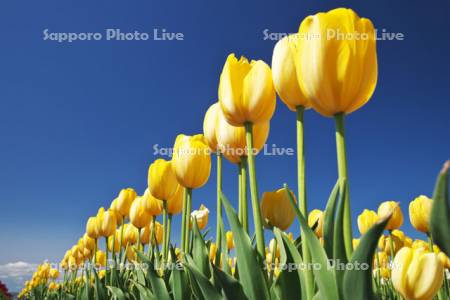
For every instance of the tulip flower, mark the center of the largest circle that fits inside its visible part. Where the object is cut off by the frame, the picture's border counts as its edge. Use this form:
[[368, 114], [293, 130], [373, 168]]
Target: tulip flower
[[145, 235], [355, 243], [130, 235], [230, 241], [212, 252], [201, 216], [316, 216], [106, 222], [276, 209], [139, 216], [419, 213], [113, 243], [396, 219], [417, 274], [175, 204], [366, 220], [152, 205], [100, 258], [390, 244], [157, 229], [91, 228], [124, 200], [88, 242]]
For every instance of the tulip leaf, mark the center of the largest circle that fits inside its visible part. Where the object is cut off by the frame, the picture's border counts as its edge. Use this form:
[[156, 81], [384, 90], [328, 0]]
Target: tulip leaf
[[252, 279], [223, 252], [100, 292], [440, 212], [328, 220], [207, 289], [179, 279], [116, 292], [144, 293], [231, 288], [358, 281], [200, 252], [325, 278], [339, 253], [157, 283]]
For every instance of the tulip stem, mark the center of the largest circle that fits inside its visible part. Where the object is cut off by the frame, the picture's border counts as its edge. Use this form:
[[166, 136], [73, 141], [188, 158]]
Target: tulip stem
[[243, 172], [121, 239], [240, 191], [342, 170], [187, 218], [169, 228], [164, 249], [106, 252], [254, 191], [183, 221], [219, 200], [272, 263]]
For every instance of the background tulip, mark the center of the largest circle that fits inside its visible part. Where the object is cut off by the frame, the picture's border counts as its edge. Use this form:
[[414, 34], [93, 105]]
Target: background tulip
[[209, 126], [124, 200], [139, 216], [153, 206], [91, 228], [88, 242], [419, 213], [230, 241], [162, 182], [113, 243], [130, 236], [106, 223], [201, 216], [100, 258], [396, 219], [158, 231], [276, 209], [316, 215], [366, 220], [175, 204]]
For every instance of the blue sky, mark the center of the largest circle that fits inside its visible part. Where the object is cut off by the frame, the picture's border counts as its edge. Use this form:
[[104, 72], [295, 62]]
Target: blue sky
[[79, 120]]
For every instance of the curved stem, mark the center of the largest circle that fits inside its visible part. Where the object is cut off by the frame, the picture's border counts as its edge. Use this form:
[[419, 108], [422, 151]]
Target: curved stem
[[342, 169], [259, 231], [219, 201]]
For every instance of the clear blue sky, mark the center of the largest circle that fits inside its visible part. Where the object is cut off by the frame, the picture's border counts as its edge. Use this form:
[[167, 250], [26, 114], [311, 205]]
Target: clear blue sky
[[79, 120]]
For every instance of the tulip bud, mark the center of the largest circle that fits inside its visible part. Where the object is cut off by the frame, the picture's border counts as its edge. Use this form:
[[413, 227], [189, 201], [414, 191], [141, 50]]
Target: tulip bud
[[53, 273], [88, 242], [106, 223], [276, 209], [139, 216], [91, 228], [162, 182], [201, 216], [316, 216], [209, 126], [230, 241], [384, 243], [152, 205], [396, 219], [158, 231], [130, 235], [271, 246], [100, 258], [355, 243], [124, 200], [366, 220], [419, 213], [191, 160], [417, 274], [175, 204], [113, 240], [212, 252], [246, 92]]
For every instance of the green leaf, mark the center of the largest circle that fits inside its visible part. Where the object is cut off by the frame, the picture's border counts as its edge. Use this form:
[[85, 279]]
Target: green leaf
[[325, 278], [358, 283], [250, 270], [328, 220], [200, 252], [144, 292], [100, 291], [179, 280], [116, 292], [157, 283], [232, 289], [440, 212], [208, 291], [339, 253]]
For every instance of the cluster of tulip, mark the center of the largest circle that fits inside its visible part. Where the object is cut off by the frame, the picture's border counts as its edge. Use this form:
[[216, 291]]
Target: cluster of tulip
[[44, 277], [334, 77]]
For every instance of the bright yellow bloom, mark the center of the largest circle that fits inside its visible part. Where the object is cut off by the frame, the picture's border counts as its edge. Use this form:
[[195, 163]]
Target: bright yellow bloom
[[384, 272], [100, 258], [91, 228], [131, 254], [145, 235], [416, 274], [139, 216], [191, 160], [285, 75], [366, 220], [384, 243], [246, 91], [152, 205], [212, 252], [444, 260], [53, 273], [209, 126], [355, 243], [53, 286], [113, 207], [114, 239], [124, 200], [382, 258], [231, 139], [158, 232], [230, 241], [201, 216], [162, 182], [277, 251], [175, 204], [337, 66], [276, 209], [316, 215], [102, 274], [106, 222], [130, 235], [385, 209], [87, 254], [419, 213], [88, 242]]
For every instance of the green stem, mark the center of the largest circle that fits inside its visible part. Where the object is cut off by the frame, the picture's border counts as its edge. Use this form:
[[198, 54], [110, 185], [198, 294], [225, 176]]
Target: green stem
[[121, 239], [188, 217], [243, 171], [138, 243], [301, 185], [183, 221], [391, 244], [259, 231], [342, 169], [240, 211], [219, 200], [274, 254], [169, 228], [106, 252], [164, 246], [430, 243]]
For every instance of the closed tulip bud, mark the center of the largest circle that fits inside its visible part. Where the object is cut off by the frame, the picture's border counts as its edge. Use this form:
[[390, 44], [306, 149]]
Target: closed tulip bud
[[114, 241], [124, 200], [285, 75], [88, 242], [230, 241], [191, 160], [355, 243], [175, 204], [131, 254], [209, 126], [396, 219], [113, 207], [383, 272], [99, 221], [130, 235], [381, 259], [246, 92], [419, 213], [87, 254], [72, 263], [201, 216], [152, 205], [139, 216], [338, 75], [162, 182], [145, 235], [100, 258], [91, 228], [102, 274], [212, 252], [107, 223], [271, 246], [384, 243], [276, 209], [444, 260], [53, 286], [231, 139], [417, 274], [158, 231], [366, 220], [316, 216]]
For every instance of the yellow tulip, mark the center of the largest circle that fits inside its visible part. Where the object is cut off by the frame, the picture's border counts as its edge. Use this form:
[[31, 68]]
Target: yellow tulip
[[384, 243], [355, 243], [100, 258], [271, 246], [130, 235], [87, 254], [285, 75], [139, 216], [419, 213], [366, 220], [158, 231], [131, 254], [106, 222], [91, 228], [444, 260], [209, 126], [54, 273], [191, 160], [124, 200], [88, 242], [212, 252], [336, 61], [145, 235], [385, 209], [276, 209], [417, 274], [201, 216], [246, 91], [382, 258], [231, 139], [175, 204], [162, 182], [102, 274], [316, 215], [152, 205], [53, 286], [230, 241], [114, 240]]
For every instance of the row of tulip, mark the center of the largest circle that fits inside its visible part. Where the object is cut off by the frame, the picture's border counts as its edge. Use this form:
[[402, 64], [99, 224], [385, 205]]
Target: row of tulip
[[335, 78]]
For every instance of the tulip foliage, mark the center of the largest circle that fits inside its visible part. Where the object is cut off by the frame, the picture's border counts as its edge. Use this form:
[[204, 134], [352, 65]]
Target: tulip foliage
[[128, 251]]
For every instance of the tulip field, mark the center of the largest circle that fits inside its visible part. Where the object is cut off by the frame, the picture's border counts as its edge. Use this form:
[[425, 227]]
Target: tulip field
[[128, 250]]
